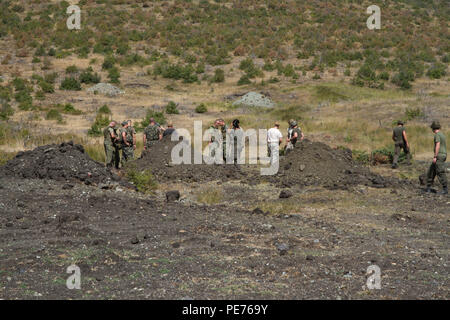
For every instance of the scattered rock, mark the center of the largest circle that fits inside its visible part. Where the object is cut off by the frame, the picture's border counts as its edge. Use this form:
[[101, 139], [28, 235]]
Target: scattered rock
[[255, 99], [172, 195], [282, 248], [134, 240], [106, 89], [257, 211], [284, 194], [67, 186]]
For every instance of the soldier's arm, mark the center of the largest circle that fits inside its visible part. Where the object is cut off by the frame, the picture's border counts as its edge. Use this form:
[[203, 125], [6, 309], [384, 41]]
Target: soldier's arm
[[393, 136], [145, 142], [436, 149], [405, 139], [302, 136], [124, 138]]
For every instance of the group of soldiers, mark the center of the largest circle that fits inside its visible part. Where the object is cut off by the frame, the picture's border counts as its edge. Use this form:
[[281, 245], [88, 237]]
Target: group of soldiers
[[124, 139], [437, 167]]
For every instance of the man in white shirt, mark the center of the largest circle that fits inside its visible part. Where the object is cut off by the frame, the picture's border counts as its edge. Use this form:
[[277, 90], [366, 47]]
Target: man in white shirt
[[274, 139]]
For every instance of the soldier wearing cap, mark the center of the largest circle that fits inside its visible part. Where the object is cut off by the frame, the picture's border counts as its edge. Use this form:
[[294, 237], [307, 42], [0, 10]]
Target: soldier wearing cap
[[111, 138], [127, 144], [437, 167], [152, 133], [294, 134], [400, 142]]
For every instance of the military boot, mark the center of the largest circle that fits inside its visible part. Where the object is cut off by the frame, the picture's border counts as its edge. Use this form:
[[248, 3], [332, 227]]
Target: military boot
[[428, 190], [444, 191]]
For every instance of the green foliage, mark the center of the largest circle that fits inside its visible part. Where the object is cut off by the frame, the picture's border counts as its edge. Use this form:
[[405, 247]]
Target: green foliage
[[250, 69], [361, 156], [101, 121], [243, 80], [143, 180], [104, 110], [54, 114], [175, 71], [88, 77], [171, 108], [72, 69], [70, 83], [329, 94], [6, 111], [412, 113], [219, 76], [114, 75], [46, 87], [201, 108], [437, 71]]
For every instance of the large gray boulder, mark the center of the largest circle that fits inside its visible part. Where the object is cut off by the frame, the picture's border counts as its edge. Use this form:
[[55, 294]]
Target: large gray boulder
[[255, 99], [106, 89]]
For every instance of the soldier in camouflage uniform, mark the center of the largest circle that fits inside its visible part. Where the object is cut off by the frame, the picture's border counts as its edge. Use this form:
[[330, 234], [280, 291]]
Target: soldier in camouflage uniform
[[294, 134], [152, 133], [132, 132], [437, 167], [213, 143], [224, 130], [127, 144], [401, 142], [110, 144]]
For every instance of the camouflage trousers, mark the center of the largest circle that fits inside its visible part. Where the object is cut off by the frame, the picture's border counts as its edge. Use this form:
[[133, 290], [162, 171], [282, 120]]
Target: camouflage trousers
[[398, 148], [112, 156], [127, 154], [437, 169]]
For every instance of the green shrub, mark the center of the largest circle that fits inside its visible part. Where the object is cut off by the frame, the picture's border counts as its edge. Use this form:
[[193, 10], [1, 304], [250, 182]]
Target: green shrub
[[412, 113], [54, 114], [243, 80], [360, 156], [114, 75], [201, 108], [437, 71], [70, 109], [70, 83], [88, 77], [101, 121], [104, 110], [72, 69], [143, 180], [46, 87], [171, 108], [6, 111], [219, 76], [108, 62]]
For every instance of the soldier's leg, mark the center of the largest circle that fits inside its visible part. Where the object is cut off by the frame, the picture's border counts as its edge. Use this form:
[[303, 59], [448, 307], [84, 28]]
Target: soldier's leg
[[397, 150], [431, 174], [440, 172], [108, 156], [116, 157], [408, 154]]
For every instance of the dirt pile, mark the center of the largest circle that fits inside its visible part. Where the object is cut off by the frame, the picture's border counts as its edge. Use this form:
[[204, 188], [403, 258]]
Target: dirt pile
[[63, 162], [159, 160], [315, 163]]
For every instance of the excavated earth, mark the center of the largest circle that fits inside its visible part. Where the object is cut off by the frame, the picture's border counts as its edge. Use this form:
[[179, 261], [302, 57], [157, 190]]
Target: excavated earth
[[249, 244]]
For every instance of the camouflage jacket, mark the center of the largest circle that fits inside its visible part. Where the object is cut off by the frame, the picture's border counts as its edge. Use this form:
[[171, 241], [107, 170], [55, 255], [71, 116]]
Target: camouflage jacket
[[107, 132], [152, 133]]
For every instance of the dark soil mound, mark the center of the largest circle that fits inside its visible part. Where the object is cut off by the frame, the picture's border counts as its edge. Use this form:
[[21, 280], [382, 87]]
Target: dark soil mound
[[315, 163], [158, 159], [64, 162]]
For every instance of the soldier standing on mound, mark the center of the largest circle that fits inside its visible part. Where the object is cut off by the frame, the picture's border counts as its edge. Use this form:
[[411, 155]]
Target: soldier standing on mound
[[437, 167]]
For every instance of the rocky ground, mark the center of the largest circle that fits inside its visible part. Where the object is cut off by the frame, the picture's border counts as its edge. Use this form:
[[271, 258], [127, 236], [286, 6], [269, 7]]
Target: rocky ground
[[260, 240]]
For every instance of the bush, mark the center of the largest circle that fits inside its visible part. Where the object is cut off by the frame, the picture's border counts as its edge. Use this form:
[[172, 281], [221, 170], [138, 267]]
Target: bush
[[114, 75], [101, 121], [171, 108], [244, 80], [104, 110], [46, 87], [72, 69], [201, 108], [70, 84], [412, 113], [6, 111], [88, 77], [70, 109], [219, 76], [143, 180], [108, 62], [360, 156], [402, 79], [54, 114], [437, 71]]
